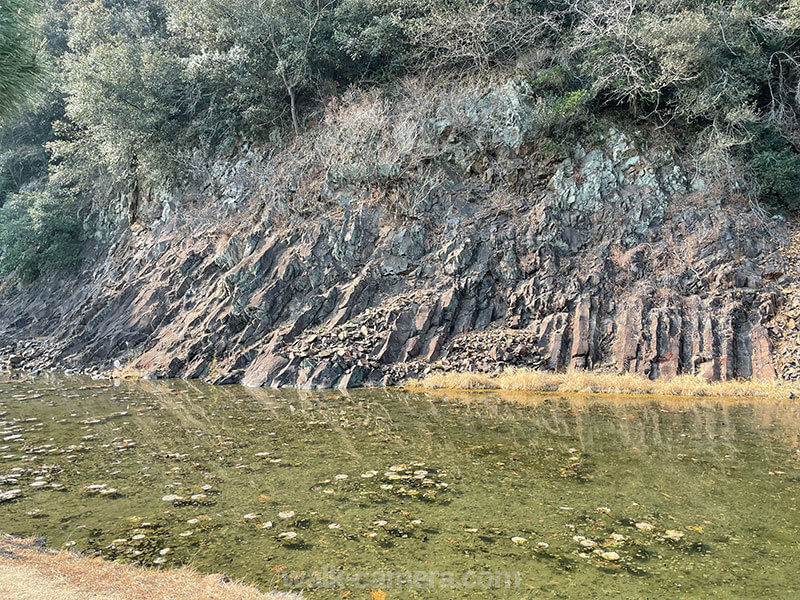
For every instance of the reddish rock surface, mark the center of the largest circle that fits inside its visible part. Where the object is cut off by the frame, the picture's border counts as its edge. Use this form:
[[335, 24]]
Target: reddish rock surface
[[613, 260]]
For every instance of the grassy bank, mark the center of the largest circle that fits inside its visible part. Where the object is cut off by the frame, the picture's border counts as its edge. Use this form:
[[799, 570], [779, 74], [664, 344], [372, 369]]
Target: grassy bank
[[587, 382], [29, 572]]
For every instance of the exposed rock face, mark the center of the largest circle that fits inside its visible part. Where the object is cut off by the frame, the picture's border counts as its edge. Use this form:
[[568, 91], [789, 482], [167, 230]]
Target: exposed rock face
[[611, 259], [784, 327]]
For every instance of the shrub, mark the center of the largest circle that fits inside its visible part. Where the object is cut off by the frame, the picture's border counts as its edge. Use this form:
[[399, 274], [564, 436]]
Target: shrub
[[39, 233], [367, 38], [479, 34], [777, 174]]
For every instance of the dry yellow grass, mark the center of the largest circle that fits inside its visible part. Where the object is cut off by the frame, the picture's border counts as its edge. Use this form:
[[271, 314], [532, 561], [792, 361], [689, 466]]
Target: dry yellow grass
[[30, 573], [589, 382], [128, 372]]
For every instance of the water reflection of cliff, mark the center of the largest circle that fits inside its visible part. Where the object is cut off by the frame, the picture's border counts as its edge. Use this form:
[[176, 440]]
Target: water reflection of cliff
[[640, 423]]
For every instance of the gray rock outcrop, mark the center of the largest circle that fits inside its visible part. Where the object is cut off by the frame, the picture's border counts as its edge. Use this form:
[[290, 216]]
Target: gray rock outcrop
[[613, 258]]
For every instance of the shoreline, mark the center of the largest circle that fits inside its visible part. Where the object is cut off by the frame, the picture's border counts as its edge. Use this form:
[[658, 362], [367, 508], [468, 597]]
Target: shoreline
[[605, 384], [531, 381], [31, 571]]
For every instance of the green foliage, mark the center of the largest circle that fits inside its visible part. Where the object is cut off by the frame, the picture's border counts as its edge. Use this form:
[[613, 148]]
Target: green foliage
[[778, 176], [553, 79], [23, 156], [143, 91], [569, 104], [685, 59], [719, 70], [368, 38], [125, 97], [18, 164], [150, 84], [39, 233], [19, 69]]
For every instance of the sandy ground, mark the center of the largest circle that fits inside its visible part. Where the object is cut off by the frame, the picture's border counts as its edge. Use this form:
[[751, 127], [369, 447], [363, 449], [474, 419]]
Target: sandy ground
[[28, 572]]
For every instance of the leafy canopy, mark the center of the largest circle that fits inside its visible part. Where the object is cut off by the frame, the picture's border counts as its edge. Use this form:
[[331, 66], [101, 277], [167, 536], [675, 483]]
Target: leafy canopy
[[140, 93]]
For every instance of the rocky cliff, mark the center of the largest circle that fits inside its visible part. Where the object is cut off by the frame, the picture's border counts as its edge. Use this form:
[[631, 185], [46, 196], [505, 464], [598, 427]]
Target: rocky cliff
[[616, 255]]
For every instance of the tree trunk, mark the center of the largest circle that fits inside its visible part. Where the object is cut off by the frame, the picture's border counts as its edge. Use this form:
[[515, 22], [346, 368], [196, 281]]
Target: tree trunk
[[293, 103], [133, 204]]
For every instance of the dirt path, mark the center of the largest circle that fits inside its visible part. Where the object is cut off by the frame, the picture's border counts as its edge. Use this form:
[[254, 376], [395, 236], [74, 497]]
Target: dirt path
[[28, 572]]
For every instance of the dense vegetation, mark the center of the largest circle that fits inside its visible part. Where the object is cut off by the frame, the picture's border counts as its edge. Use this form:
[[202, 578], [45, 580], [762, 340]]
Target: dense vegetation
[[141, 91], [19, 70]]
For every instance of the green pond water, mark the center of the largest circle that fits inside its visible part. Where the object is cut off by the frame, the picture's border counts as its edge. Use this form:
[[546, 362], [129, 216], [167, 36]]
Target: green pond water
[[407, 494]]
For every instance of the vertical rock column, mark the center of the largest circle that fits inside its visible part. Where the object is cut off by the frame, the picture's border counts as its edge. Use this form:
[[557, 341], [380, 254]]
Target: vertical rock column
[[582, 334]]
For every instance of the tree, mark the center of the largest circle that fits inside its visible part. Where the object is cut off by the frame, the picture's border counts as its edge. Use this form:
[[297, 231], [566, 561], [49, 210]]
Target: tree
[[126, 100], [286, 29], [291, 26], [19, 68], [39, 233]]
